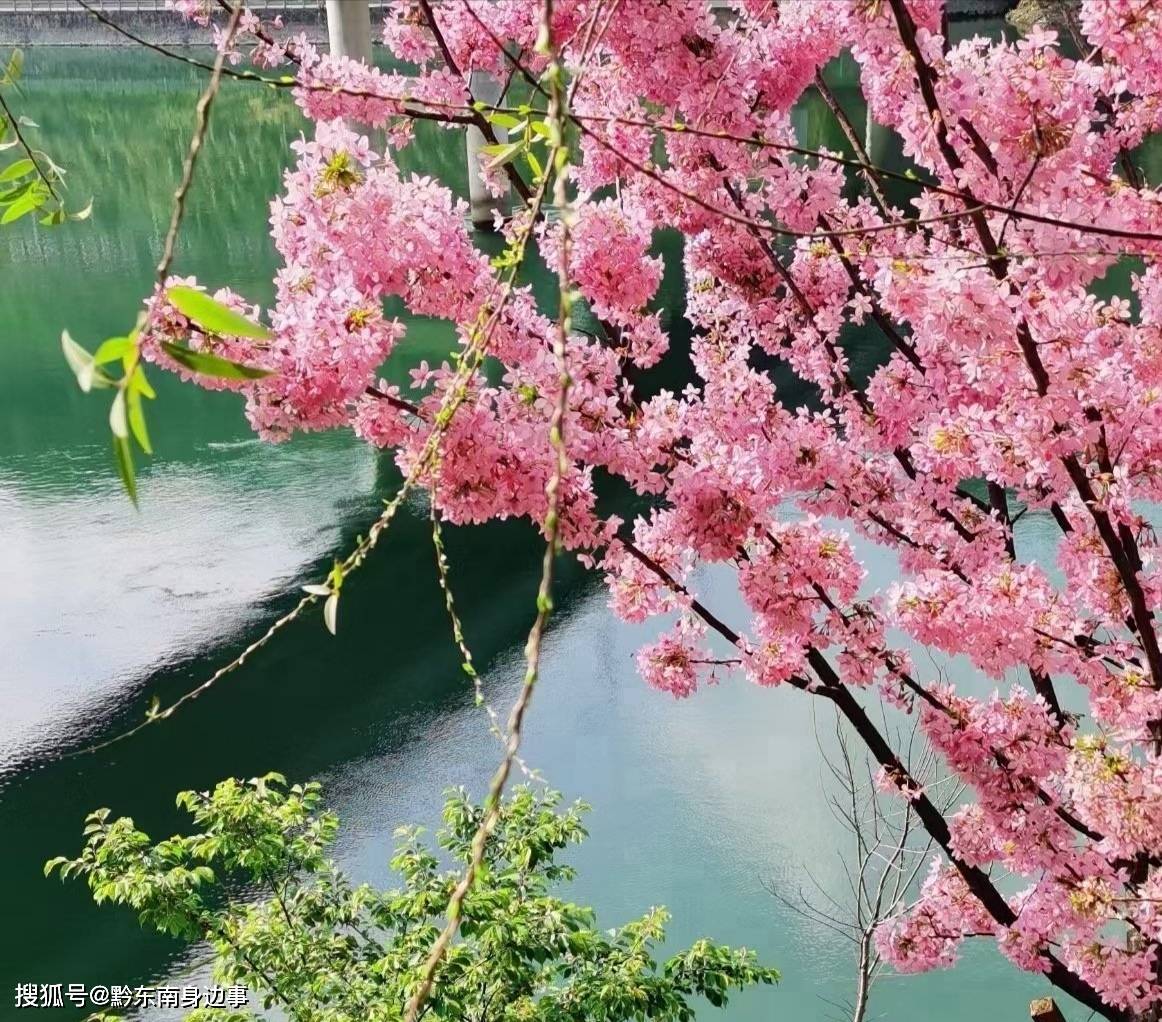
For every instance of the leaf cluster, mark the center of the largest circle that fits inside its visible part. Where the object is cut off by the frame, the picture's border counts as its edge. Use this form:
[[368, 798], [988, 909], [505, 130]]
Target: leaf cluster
[[256, 882], [30, 181], [524, 133], [127, 413]]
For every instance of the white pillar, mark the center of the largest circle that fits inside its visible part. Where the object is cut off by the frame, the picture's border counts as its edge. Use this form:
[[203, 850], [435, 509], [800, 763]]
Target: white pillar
[[877, 142], [349, 28], [486, 89]]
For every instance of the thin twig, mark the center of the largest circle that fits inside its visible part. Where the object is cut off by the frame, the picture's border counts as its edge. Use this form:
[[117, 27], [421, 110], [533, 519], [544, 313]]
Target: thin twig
[[492, 802], [28, 150], [467, 661], [201, 125], [853, 140]]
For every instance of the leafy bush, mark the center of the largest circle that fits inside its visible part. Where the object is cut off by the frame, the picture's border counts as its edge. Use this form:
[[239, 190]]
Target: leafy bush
[[256, 883]]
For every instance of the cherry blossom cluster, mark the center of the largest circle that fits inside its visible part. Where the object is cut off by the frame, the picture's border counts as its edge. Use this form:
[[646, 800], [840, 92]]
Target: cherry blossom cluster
[[1006, 381]]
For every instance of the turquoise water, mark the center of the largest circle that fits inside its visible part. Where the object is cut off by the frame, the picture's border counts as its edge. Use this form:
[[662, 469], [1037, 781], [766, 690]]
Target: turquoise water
[[703, 806]]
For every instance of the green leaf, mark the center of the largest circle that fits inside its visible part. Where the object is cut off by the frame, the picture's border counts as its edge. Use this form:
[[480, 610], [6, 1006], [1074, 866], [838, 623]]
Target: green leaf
[[22, 207], [136, 416], [213, 365], [83, 214], [118, 416], [18, 168], [140, 384], [82, 364], [123, 455], [112, 349], [16, 192], [502, 120], [503, 154], [330, 612], [213, 316]]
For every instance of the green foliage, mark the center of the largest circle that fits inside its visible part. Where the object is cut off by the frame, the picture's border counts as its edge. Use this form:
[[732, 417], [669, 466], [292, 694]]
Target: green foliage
[[30, 182], [524, 131], [127, 413], [208, 364], [214, 317], [324, 950]]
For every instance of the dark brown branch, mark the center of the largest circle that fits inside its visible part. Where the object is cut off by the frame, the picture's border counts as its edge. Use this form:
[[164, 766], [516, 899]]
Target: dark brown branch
[[445, 114], [934, 823], [481, 122], [1060, 517], [1122, 547], [397, 402], [723, 629], [262, 34], [852, 137], [752, 140], [759, 142], [26, 148], [899, 342], [979, 146]]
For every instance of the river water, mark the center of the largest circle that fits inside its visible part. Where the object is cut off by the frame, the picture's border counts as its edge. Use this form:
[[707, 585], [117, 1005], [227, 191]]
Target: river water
[[702, 806]]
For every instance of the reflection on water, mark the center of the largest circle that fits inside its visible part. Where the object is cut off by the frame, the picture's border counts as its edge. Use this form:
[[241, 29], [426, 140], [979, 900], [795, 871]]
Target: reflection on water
[[251, 520], [697, 804]]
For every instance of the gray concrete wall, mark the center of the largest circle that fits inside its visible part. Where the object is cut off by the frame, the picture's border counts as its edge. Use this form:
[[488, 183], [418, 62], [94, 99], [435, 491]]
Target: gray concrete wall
[[79, 28]]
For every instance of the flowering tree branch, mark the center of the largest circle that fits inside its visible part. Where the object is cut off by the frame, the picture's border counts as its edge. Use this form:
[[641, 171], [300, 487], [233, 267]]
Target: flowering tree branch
[[1009, 386]]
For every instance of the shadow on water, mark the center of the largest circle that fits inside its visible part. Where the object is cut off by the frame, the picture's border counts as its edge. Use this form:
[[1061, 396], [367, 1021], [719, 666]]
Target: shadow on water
[[308, 703]]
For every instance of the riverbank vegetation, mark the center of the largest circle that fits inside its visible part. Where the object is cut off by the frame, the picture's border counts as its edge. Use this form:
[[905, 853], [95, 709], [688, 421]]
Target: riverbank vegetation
[[255, 882]]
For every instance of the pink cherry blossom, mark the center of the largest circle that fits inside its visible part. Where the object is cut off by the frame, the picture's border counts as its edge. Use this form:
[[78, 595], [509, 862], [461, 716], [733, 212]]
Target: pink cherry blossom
[[1013, 379]]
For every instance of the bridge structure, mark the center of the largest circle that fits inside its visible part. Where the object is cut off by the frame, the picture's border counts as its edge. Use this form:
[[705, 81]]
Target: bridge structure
[[298, 8]]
